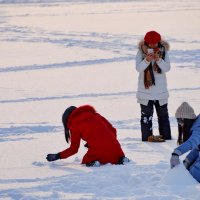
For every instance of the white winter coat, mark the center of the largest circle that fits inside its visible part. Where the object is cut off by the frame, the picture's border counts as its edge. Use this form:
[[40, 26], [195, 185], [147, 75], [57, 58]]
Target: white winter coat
[[158, 91]]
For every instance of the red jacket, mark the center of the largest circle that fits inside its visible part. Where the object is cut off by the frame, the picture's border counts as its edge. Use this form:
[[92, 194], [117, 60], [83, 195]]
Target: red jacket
[[85, 123]]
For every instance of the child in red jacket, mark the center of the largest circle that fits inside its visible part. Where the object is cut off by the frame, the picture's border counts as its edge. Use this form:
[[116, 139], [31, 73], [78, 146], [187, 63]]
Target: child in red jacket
[[85, 123]]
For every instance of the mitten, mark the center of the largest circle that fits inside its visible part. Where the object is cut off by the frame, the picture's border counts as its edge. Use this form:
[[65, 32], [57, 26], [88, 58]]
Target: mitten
[[174, 160], [53, 157], [186, 163], [86, 145]]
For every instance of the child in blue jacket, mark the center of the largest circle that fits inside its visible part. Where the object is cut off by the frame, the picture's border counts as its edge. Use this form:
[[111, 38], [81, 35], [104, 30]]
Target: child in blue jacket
[[192, 144]]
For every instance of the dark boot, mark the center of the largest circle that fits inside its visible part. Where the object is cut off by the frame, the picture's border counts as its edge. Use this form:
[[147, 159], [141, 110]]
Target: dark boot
[[123, 160], [93, 164]]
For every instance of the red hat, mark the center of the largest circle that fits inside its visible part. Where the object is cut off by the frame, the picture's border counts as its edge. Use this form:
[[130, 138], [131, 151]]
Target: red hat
[[152, 37]]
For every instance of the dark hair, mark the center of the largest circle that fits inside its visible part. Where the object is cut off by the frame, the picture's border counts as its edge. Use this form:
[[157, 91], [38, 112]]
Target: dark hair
[[184, 131], [65, 118]]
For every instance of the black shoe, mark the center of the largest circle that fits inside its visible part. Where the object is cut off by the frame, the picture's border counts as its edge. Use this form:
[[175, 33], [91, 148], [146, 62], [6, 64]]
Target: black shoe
[[93, 164], [123, 160]]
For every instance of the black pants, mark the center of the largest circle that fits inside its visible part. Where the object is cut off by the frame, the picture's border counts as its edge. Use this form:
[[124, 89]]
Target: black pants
[[146, 120]]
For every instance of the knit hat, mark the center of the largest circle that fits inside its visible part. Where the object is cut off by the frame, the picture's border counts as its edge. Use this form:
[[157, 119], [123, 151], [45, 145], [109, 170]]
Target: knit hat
[[152, 37], [65, 118], [185, 111]]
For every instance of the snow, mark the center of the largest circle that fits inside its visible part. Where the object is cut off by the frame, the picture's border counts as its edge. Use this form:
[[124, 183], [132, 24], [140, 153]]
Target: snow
[[60, 53]]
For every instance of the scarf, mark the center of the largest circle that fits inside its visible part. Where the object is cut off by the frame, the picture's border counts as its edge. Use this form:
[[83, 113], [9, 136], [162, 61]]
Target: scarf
[[149, 78]]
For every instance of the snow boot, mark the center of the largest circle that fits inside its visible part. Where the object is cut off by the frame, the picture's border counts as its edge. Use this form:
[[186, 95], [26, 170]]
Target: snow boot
[[157, 138], [93, 164], [123, 160]]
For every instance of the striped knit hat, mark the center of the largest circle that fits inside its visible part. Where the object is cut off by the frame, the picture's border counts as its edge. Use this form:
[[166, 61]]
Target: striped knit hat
[[185, 111]]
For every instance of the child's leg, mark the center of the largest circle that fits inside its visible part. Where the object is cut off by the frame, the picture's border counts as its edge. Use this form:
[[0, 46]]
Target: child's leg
[[163, 120], [146, 120]]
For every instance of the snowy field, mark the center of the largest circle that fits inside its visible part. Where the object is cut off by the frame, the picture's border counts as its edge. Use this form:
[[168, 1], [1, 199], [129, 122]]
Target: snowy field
[[60, 53]]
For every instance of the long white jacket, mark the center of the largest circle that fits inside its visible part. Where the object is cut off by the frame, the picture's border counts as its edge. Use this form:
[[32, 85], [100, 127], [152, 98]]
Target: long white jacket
[[158, 91]]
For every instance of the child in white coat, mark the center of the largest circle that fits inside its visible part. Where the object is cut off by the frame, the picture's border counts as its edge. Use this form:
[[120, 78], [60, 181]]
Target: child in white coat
[[152, 63]]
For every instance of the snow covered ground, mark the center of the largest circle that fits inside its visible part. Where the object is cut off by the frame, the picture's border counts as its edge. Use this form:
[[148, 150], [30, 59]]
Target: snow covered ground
[[60, 53]]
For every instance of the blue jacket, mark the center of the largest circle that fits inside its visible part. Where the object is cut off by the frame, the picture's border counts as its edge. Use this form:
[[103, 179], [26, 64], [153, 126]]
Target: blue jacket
[[192, 144]]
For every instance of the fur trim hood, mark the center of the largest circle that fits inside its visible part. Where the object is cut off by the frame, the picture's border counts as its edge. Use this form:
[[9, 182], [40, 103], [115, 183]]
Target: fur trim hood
[[142, 47]]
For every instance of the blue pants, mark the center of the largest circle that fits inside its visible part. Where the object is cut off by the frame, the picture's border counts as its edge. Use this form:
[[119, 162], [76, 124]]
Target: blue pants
[[195, 172], [146, 120]]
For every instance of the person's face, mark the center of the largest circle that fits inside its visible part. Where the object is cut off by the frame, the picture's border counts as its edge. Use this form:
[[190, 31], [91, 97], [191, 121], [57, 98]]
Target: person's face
[[152, 46]]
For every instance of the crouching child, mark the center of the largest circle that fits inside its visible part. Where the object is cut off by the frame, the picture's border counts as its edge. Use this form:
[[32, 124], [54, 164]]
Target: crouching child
[[189, 125], [100, 136]]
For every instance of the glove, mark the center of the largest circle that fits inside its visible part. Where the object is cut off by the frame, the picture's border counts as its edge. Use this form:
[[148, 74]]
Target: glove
[[53, 157], [186, 163], [86, 145], [174, 160]]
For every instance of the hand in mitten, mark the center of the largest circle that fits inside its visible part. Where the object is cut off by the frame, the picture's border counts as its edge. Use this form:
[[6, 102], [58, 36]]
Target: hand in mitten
[[86, 145], [174, 160], [186, 163], [53, 157]]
